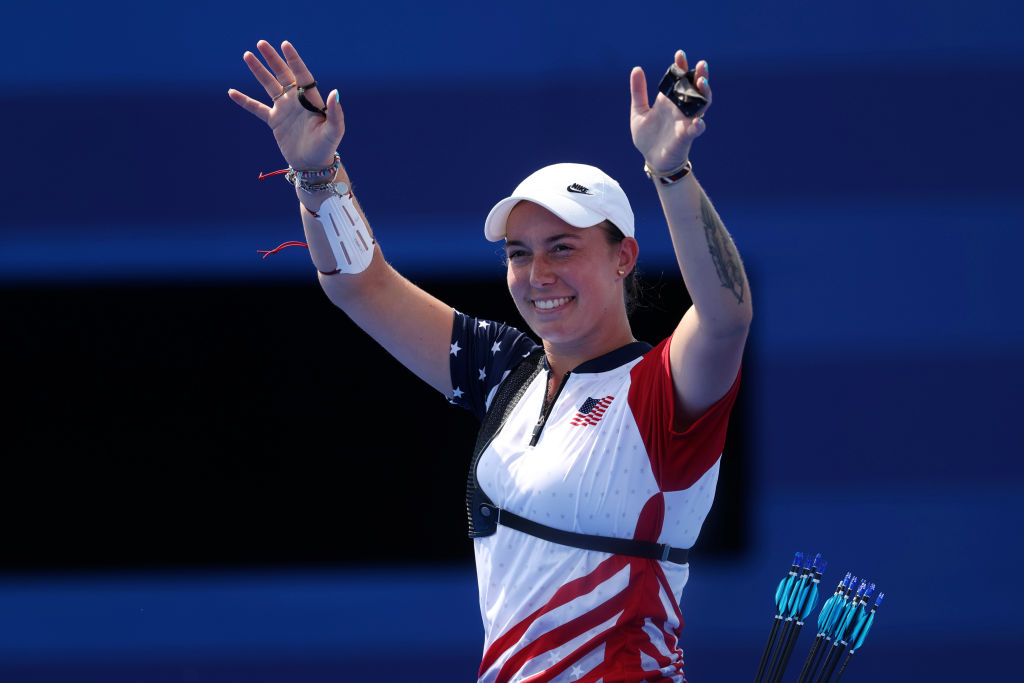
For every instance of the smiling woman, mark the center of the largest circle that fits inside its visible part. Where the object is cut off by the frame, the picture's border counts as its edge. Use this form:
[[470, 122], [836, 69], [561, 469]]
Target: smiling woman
[[566, 279], [582, 517]]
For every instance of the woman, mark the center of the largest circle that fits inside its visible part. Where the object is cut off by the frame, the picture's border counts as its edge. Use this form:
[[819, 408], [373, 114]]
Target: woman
[[624, 454]]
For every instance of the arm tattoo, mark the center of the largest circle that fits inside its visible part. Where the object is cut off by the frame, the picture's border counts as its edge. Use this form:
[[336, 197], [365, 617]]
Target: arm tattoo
[[722, 250]]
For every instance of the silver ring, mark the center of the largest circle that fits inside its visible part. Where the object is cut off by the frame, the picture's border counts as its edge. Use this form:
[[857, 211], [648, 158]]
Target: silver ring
[[284, 89]]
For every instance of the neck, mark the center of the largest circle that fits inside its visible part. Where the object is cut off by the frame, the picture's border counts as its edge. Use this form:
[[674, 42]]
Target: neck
[[564, 358]]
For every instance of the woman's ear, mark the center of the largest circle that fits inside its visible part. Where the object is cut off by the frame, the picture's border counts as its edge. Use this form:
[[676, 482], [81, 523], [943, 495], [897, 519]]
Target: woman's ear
[[628, 250]]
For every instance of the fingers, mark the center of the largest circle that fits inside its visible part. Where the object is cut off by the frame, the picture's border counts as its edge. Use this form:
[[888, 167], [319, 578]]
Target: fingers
[[680, 60], [301, 73], [639, 104], [701, 70], [282, 72], [252, 106], [701, 79], [266, 79], [335, 117], [698, 127]]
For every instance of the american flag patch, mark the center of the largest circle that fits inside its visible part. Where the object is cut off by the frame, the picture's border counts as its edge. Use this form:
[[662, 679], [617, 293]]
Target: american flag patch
[[591, 411]]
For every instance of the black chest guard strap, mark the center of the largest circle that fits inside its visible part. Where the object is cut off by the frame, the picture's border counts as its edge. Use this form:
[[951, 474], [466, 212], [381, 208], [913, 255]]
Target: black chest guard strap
[[506, 398], [485, 516]]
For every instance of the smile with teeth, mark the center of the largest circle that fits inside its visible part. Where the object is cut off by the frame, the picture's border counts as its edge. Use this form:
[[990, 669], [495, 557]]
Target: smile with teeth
[[548, 304]]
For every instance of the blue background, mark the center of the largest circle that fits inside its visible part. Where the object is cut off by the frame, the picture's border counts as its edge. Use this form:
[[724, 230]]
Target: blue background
[[865, 156]]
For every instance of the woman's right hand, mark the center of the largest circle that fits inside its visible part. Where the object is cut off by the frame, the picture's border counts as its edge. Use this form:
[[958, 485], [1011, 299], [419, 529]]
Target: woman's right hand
[[307, 140]]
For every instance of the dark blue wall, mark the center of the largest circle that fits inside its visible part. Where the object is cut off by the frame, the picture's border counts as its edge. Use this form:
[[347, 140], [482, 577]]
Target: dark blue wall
[[865, 156]]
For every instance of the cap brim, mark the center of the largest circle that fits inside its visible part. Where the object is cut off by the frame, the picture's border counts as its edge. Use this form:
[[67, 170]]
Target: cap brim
[[566, 209]]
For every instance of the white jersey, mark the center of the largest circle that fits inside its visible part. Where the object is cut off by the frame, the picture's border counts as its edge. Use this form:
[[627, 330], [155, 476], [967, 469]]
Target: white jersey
[[607, 462]]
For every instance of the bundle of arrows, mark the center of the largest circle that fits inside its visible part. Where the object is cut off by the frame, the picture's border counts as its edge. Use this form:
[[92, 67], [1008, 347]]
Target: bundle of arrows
[[843, 623]]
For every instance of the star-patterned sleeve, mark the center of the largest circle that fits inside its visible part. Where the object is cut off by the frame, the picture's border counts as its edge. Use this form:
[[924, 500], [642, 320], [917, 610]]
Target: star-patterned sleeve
[[482, 354]]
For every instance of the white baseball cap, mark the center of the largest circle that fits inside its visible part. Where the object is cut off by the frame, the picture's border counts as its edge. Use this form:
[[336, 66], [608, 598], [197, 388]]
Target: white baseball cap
[[580, 195]]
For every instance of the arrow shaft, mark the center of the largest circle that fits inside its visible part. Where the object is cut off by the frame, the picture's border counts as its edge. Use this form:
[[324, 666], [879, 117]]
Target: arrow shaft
[[768, 648], [790, 644]]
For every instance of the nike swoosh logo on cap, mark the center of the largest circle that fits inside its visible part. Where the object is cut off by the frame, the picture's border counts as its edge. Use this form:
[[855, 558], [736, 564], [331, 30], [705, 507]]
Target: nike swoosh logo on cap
[[579, 189]]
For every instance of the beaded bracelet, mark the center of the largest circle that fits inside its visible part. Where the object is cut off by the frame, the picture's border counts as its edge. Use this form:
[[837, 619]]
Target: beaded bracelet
[[313, 175], [301, 179]]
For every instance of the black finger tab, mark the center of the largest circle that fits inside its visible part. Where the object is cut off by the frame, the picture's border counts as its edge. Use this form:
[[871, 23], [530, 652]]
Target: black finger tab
[[679, 86], [307, 104]]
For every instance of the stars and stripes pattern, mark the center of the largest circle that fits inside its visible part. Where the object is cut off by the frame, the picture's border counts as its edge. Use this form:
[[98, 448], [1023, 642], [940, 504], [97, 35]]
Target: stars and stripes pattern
[[560, 614], [577, 635], [481, 355], [591, 412]]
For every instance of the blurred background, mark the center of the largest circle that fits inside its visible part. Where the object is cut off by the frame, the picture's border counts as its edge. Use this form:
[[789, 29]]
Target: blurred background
[[209, 474]]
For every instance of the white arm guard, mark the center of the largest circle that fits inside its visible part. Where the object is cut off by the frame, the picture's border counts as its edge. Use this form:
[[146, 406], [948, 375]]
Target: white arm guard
[[346, 233]]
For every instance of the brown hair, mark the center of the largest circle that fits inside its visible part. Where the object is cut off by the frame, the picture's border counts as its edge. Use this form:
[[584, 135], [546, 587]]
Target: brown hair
[[632, 292]]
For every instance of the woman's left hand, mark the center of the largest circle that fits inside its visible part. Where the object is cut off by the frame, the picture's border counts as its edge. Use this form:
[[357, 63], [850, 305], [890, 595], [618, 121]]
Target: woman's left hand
[[662, 133]]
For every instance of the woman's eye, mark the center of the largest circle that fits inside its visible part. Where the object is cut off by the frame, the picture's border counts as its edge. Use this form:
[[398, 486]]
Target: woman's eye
[[517, 254], [561, 248]]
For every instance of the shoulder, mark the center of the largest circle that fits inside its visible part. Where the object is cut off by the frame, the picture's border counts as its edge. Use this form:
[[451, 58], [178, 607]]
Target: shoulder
[[482, 354]]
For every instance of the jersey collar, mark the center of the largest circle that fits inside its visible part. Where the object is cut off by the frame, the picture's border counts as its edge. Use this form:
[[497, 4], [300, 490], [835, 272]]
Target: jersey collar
[[610, 360]]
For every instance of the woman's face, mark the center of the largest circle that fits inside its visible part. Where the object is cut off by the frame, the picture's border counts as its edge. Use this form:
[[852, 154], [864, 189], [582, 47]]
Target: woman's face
[[564, 279]]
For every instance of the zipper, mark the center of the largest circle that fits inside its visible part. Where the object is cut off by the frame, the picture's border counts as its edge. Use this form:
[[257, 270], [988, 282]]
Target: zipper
[[546, 407]]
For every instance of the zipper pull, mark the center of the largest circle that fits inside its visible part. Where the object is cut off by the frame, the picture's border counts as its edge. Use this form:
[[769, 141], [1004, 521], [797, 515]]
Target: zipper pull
[[546, 410], [538, 428]]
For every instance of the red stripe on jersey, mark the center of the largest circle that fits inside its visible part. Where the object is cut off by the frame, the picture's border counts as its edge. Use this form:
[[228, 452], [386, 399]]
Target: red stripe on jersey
[[565, 594], [647, 597], [651, 519], [558, 637], [623, 643], [678, 458]]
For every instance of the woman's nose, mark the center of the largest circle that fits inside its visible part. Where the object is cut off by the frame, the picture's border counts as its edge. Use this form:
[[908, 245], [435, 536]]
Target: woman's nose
[[541, 272]]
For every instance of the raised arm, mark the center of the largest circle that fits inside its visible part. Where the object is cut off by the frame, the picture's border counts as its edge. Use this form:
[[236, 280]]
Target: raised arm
[[411, 324], [707, 346]]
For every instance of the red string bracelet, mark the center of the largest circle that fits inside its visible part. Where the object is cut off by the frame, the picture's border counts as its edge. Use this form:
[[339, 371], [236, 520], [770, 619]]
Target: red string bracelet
[[301, 175], [279, 247], [264, 176]]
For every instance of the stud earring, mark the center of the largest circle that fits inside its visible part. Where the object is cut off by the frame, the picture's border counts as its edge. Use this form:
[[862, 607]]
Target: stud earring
[[621, 272]]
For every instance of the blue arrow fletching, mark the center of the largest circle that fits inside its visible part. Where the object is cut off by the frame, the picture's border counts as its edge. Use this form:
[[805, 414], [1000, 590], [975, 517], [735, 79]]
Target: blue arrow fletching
[[782, 592], [858, 626], [778, 596], [798, 600], [782, 596], [855, 631], [810, 602], [792, 607], [867, 622], [864, 632], [787, 593], [856, 609], [844, 623], [833, 620], [826, 610], [841, 608], [835, 616]]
